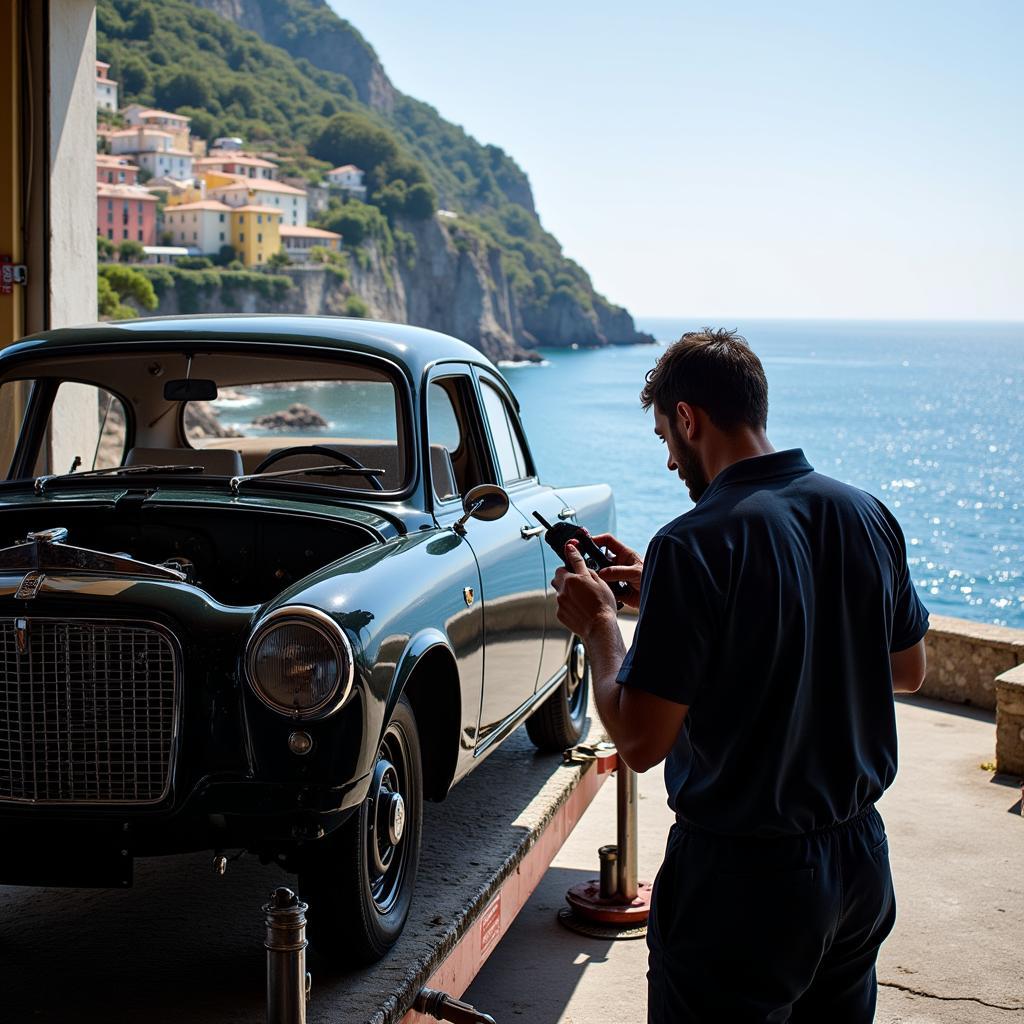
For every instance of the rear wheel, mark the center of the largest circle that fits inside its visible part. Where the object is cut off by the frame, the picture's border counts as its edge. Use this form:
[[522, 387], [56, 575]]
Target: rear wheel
[[359, 881], [559, 722]]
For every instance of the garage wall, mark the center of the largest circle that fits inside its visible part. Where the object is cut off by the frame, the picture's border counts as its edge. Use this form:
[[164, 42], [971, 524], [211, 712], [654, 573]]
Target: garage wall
[[47, 189], [72, 213]]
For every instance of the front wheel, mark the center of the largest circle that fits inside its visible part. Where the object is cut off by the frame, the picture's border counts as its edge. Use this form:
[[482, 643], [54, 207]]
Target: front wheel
[[559, 722], [359, 881]]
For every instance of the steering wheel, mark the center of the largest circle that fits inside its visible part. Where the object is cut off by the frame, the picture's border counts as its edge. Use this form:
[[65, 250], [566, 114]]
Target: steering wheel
[[318, 449]]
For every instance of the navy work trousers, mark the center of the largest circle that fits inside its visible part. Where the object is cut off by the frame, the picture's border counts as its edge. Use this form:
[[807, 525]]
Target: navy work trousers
[[764, 931]]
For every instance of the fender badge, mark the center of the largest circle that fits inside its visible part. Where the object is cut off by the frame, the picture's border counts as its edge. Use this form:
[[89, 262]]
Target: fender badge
[[29, 586], [21, 635], [467, 593]]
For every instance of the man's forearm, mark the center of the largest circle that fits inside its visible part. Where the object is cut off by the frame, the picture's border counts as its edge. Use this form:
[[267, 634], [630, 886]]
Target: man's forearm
[[606, 650]]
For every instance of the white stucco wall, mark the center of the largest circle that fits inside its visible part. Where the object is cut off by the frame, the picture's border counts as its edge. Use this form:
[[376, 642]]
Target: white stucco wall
[[72, 241]]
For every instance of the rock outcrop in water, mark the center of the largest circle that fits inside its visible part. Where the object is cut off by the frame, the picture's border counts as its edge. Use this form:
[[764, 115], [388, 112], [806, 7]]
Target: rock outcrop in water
[[296, 417]]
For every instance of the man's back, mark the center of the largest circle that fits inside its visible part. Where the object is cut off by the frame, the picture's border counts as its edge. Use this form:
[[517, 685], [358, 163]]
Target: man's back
[[792, 590]]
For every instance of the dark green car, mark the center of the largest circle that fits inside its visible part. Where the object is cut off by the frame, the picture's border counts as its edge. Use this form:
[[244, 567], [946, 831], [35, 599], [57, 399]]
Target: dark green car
[[267, 583]]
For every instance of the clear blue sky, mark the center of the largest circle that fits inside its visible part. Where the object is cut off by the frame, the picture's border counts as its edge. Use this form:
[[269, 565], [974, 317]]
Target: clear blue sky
[[753, 158]]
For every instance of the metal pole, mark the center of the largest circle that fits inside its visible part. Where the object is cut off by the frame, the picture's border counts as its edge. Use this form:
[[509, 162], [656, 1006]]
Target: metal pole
[[287, 981], [626, 821]]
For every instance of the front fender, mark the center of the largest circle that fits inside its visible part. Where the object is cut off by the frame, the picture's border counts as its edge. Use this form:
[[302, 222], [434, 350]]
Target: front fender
[[424, 641], [396, 601]]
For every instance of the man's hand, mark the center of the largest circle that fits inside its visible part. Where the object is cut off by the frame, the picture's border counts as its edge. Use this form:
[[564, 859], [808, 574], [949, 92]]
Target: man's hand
[[585, 603], [628, 568]]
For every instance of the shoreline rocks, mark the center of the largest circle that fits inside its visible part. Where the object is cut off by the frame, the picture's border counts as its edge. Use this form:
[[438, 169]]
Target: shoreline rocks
[[296, 417]]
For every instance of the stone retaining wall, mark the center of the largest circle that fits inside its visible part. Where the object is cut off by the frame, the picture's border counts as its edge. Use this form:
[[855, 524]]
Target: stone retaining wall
[[965, 657], [1010, 721]]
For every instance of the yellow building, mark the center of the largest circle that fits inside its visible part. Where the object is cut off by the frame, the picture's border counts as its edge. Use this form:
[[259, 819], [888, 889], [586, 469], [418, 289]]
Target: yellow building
[[255, 233]]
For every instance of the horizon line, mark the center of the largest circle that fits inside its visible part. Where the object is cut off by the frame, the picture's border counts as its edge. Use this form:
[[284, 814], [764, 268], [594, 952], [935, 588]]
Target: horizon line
[[831, 319]]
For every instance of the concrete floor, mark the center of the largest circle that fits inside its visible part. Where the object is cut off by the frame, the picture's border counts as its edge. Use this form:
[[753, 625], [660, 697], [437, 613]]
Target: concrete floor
[[956, 838]]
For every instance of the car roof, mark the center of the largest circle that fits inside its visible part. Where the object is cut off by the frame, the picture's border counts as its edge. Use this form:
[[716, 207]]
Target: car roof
[[411, 348]]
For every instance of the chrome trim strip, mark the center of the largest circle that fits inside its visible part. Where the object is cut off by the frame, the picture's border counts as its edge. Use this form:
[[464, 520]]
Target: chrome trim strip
[[334, 634], [172, 756]]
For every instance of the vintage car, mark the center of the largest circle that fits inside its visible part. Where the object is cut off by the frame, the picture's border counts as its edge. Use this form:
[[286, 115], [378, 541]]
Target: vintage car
[[266, 583]]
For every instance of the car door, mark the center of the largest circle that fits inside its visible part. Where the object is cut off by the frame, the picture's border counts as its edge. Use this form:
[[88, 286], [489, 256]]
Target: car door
[[511, 567], [528, 495]]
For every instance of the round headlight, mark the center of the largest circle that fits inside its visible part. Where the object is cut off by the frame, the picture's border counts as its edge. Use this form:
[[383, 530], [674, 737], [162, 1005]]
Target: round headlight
[[298, 661]]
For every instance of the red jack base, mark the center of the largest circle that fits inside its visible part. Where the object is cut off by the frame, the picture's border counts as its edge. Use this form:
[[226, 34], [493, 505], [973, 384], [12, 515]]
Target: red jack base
[[612, 918]]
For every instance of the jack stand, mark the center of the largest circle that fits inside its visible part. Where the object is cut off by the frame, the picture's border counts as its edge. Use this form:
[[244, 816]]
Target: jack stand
[[288, 983], [616, 905]]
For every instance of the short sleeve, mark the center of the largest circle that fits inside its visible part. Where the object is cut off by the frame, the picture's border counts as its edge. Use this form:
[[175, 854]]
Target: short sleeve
[[909, 615], [675, 631]]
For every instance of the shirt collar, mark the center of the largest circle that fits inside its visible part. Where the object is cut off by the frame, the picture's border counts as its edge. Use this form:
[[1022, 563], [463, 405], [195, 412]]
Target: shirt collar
[[790, 462]]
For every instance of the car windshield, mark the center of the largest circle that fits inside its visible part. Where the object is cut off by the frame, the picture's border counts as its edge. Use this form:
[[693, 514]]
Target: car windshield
[[241, 415]]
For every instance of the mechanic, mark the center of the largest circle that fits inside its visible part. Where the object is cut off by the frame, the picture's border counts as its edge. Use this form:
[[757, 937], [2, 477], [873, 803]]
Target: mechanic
[[776, 619]]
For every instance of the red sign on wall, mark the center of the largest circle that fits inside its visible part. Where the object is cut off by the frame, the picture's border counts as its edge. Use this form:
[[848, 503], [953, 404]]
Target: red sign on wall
[[6, 275]]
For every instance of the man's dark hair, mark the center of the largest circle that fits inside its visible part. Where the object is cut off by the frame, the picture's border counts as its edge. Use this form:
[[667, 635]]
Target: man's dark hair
[[713, 369]]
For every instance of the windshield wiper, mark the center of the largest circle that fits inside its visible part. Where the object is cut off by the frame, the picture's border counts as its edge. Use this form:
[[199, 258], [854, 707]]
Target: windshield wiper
[[42, 481], [331, 469]]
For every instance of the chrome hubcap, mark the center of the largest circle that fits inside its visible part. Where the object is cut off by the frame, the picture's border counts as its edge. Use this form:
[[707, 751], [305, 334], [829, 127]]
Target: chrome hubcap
[[386, 809], [578, 662], [576, 673], [396, 818]]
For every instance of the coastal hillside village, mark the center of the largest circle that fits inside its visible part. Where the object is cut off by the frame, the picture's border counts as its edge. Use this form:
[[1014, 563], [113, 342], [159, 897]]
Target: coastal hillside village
[[164, 195]]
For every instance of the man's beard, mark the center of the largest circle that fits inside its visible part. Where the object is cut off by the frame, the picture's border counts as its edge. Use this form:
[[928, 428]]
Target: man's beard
[[689, 466]]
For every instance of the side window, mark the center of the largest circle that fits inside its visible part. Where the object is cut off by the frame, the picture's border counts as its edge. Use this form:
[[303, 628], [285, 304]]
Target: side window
[[86, 424], [457, 463], [511, 457], [445, 437]]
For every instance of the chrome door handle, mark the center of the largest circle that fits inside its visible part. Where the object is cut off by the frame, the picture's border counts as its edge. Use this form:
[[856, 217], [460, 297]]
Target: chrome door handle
[[530, 531], [567, 513]]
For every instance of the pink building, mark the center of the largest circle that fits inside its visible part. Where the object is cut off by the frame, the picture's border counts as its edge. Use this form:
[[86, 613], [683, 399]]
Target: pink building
[[126, 212], [116, 170]]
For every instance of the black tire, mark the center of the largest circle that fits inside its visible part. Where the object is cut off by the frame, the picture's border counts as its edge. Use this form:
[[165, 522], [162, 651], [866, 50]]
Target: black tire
[[359, 880], [559, 722]]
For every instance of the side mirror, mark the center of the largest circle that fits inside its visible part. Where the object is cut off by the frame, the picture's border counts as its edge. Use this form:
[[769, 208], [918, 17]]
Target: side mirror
[[486, 502]]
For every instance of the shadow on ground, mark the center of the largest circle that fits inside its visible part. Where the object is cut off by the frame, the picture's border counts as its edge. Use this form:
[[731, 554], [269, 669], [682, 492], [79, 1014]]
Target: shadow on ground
[[183, 944]]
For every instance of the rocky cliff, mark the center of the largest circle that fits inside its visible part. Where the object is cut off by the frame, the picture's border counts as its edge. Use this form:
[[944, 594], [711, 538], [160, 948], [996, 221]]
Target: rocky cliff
[[458, 281], [309, 32], [449, 237], [451, 283]]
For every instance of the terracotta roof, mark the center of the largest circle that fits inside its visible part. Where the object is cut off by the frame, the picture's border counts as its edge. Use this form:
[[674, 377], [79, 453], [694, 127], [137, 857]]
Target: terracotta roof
[[145, 129], [107, 191], [234, 157], [259, 185], [296, 231], [346, 167], [113, 160], [149, 112], [202, 204], [253, 208]]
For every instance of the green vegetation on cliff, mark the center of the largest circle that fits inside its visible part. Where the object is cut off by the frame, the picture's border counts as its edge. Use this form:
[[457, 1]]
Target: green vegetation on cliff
[[292, 77]]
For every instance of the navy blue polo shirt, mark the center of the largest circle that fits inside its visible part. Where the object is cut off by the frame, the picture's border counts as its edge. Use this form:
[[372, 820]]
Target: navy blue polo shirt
[[771, 609]]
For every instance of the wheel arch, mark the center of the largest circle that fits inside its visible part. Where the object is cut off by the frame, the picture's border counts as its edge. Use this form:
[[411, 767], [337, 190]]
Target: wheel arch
[[428, 676]]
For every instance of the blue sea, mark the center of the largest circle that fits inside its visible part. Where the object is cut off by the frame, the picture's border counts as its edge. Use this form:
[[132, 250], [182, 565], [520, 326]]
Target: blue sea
[[927, 416]]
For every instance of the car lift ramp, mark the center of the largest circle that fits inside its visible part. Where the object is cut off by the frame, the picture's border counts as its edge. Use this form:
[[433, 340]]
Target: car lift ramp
[[184, 944]]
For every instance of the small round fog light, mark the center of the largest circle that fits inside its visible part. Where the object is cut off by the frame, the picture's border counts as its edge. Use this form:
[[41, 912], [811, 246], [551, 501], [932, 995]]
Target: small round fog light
[[300, 743]]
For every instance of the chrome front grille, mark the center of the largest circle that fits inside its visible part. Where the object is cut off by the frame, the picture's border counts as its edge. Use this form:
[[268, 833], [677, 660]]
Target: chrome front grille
[[87, 711]]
